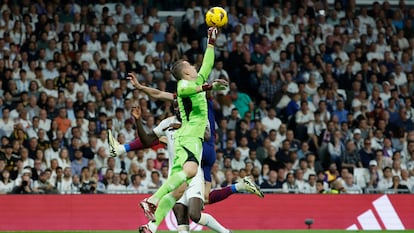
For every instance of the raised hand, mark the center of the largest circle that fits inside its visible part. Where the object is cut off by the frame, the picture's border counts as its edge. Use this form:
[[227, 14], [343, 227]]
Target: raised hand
[[212, 35], [220, 85], [136, 112], [134, 81]]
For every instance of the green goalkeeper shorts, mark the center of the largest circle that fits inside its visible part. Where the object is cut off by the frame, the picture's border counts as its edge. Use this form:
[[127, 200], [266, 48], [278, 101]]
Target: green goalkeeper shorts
[[186, 149]]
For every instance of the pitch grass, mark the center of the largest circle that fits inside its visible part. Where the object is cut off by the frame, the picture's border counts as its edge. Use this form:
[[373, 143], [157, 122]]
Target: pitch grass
[[249, 231]]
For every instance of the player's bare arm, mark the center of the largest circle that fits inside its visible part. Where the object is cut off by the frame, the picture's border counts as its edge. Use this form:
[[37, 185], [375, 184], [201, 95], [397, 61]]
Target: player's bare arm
[[146, 139], [152, 92]]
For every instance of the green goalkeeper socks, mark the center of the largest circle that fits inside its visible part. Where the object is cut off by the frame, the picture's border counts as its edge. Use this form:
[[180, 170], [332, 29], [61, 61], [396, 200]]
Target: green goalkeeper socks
[[164, 206], [172, 183]]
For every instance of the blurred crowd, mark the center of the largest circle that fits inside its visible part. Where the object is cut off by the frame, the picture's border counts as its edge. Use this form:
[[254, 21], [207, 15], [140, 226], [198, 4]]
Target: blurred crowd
[[320, 97]]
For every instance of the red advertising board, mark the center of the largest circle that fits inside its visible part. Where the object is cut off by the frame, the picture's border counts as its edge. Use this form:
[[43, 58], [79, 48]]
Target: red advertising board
[[239, 212]]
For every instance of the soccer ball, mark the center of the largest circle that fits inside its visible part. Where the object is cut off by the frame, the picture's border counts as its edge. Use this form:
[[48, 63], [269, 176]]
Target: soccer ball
[[217, 17]]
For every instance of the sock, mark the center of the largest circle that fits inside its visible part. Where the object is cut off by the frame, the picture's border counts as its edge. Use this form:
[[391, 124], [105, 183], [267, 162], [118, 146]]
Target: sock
[[136, 145], [164, 206], [183, 228], [172, 183], [239, 186], [210, 222], [217, 195], [122, 149]]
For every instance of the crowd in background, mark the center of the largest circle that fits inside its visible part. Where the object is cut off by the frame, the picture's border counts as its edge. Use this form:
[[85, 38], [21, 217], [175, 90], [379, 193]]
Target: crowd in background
[[320, 97]]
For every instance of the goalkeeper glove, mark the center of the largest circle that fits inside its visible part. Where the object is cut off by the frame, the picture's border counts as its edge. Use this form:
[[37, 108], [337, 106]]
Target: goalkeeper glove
[[212, 35]]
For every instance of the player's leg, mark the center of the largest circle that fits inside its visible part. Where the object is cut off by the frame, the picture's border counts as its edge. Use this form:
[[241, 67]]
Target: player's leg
[[164, 206], [116, 149], [207, 187], [193, 199], [207, 161], [210, 197], [244, 185], [195, 206], [188, 152], [181, 214]]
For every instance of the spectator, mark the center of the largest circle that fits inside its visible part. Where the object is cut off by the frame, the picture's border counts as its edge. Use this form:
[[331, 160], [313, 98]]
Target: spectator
[[271, 121], [243, 148], [253, 159], [6, 183], [350, 157], [78, 163], [155, 181], [304, 150], [233, 119], [237, 162], [161, 159], [136, 185], [320, 187], [300, 182], [63, 159], [24, 157], [6, 123], [311, 186], [340, 111], [271, 158], [290, 185], [228, 178], [116, 185], [397, 187], [270, 182], [9, 158], [332, 173], [303, 117], [337, 187], [386, 181], [407, 180], [336, 147], [43, 186], [63, 123], [242, 102], [65, 184], [349, 185], [87, 184], [24, 185], [254, 142]]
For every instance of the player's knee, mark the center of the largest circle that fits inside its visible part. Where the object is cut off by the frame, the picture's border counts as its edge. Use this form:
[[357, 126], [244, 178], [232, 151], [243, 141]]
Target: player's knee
[[178, 193], [195, 215]]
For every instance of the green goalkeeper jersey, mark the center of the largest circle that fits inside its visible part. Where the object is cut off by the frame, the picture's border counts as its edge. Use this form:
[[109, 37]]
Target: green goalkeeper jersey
[[193, 105]]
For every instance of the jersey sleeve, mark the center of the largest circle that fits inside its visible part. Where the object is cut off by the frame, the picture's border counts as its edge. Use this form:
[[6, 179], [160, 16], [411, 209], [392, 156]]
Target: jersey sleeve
[[206, 67], [186, 88], [159, 131]]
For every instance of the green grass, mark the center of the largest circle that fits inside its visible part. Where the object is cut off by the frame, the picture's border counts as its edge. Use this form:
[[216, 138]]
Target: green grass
[[250, 231]]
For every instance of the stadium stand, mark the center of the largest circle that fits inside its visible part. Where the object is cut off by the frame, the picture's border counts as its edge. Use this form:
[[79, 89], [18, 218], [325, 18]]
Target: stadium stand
[[321, 90]]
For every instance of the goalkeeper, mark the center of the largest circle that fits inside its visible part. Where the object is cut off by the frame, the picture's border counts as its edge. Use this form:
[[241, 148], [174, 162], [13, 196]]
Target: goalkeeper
[[188, 139]]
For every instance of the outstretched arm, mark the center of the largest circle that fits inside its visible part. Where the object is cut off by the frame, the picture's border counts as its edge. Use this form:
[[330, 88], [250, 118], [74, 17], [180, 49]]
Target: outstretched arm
[[208, 60], [146, 139], [186, 88], [152, 92]]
